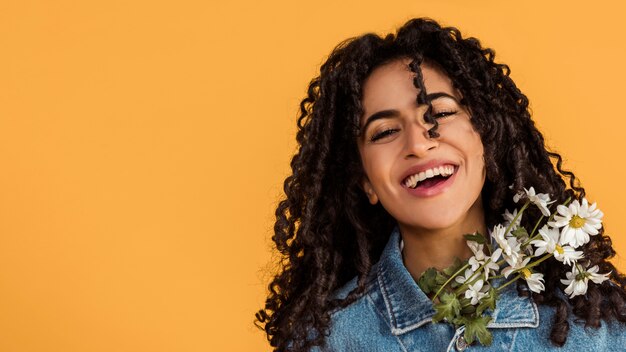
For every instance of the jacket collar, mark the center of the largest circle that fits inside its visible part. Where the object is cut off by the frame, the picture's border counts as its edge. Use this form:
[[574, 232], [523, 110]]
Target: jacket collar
[[408, 307]]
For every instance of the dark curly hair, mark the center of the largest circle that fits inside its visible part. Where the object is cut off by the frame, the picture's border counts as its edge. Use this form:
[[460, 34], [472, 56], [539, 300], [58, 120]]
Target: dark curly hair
[[328, 233]]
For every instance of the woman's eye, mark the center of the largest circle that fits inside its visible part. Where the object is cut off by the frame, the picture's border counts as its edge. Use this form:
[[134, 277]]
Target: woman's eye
[[383, 134], [443, 114]]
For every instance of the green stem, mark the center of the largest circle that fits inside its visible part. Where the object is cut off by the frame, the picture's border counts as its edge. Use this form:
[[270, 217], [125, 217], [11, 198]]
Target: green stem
[[580, 269], [569, 199], [533, 264], [531, 237], [536, 226], [469, 280], [519, 213], [509, 282], [450, 279]]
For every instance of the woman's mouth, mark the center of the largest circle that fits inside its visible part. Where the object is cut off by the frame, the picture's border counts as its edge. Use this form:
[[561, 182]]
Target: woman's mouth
[[430, 182]]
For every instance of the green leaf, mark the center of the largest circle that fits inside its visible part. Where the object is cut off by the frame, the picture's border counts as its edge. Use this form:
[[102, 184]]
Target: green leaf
[[458, 321], [476, 237], [488, 302], [440, 278], [467, 308], [427, 281], [448, 308], [520, 232], [476, 328]]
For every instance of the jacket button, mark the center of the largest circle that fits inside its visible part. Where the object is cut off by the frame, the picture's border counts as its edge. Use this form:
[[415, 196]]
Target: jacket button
[[461, 345]]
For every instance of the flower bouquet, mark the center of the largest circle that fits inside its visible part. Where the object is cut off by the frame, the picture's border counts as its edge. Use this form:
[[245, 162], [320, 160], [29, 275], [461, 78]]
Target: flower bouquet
[[464, 291]]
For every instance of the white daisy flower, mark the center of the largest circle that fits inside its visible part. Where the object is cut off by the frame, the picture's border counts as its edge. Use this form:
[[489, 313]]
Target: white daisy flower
[[518, 265], [518, 196], [541, 200], [595, 277], [514, 259], [567, 255], [550, 244], [508, 219], [477, 248], [462, 278], [578, 222], [550, 240], [492, 263], [576, 282], [578, 279], [507, 243], [534, 280], [475, 262], [479, 256], [476, 292]]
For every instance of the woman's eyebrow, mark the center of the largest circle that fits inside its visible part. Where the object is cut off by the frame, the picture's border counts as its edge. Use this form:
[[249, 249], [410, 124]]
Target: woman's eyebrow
[[383, 114]]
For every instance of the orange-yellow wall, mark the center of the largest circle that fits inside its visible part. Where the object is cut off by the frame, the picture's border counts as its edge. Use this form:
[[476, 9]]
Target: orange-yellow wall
[[143, 146]]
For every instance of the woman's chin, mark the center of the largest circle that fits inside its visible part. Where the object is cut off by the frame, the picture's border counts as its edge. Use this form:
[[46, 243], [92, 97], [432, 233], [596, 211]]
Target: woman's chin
[[433, 225]]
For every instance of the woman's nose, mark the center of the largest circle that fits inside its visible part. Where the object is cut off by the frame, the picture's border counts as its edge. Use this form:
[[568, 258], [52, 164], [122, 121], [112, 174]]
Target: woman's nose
[[418, 141]]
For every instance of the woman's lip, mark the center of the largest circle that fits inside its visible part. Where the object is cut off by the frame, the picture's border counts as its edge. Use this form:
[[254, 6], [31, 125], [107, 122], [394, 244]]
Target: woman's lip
[[436, 189], [426, 166]]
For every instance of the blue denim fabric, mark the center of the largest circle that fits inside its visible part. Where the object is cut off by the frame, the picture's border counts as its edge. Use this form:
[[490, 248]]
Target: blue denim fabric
[[395, 315]]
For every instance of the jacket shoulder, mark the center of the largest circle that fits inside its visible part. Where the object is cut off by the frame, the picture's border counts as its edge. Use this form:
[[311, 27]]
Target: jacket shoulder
[[610, 336], [359, 326]]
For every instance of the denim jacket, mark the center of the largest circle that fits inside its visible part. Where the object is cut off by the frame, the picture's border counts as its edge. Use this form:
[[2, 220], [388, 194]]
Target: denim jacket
[[395, 315]]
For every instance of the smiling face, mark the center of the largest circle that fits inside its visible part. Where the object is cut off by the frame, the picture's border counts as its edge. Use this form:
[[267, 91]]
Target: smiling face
[[426, 184]]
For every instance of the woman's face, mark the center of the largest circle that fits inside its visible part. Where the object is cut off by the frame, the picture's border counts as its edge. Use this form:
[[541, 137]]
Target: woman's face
[[424, 183]]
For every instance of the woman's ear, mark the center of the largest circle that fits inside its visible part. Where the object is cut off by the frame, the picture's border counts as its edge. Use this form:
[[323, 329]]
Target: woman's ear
[[369, 191]]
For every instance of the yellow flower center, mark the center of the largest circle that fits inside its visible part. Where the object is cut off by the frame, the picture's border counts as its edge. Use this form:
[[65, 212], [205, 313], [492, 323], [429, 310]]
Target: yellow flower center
[[525, 273], [559, 249], [577, 222]]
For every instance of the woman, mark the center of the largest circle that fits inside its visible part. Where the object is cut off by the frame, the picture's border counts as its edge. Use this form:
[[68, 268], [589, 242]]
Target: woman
[[406, 143]]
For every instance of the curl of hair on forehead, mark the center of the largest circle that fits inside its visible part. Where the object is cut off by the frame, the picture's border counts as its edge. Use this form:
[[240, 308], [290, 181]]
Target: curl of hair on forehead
[[418, 82]]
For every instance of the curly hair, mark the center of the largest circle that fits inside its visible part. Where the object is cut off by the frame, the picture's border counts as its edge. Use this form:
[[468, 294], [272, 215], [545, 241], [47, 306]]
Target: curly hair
[[328, 233]]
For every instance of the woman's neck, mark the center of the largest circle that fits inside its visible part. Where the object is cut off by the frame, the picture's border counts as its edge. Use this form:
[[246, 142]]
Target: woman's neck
[[438, 248]]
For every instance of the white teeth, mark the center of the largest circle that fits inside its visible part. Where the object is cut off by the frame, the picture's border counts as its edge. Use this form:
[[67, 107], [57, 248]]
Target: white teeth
[[445, 171], [411, 181]]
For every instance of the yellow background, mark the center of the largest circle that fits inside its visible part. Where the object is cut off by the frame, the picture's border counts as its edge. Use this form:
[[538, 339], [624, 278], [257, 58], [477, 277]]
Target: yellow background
[[143, 146]]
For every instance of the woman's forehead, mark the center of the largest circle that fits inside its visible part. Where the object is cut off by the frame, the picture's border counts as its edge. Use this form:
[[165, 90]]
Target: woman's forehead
[[392, 84]]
